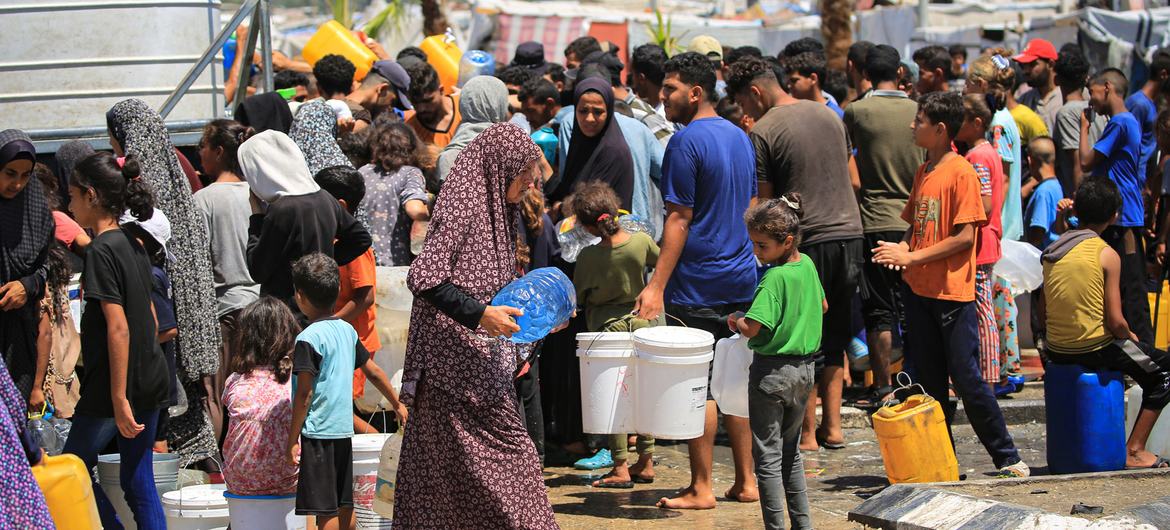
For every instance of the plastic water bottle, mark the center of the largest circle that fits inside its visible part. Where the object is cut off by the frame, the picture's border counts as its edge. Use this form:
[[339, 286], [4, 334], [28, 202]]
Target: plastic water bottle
[[634, 223], [572, 238], [547, 142], [547, 298], [475, 63]]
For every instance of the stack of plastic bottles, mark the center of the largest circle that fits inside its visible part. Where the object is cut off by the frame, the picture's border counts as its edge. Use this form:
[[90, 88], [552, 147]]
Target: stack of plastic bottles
[[547, 298], [573, 237]]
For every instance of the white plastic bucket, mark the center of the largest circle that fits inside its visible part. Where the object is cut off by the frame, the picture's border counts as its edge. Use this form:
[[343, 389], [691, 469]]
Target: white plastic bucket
[[264, 512], [671, 381], [199, 507], [607, 382], [367, 452], [393, 300], [166, 478]]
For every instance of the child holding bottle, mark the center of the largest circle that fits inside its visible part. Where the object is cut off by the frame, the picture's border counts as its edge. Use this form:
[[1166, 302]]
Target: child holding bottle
[[608, 278]]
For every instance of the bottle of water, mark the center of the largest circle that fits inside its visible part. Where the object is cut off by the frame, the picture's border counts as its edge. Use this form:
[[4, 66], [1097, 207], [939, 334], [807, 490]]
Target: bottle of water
[[475, 63], [547, 298], [547, 142], [634, 223], [573, 237]]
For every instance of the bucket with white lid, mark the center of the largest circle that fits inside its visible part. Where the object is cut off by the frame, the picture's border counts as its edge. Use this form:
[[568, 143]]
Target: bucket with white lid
[[367, 452], [607, 382], [671, 381], [198, 507], [273, 512]]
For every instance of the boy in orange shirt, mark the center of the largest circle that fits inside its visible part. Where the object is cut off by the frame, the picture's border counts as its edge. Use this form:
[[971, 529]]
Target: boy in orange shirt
[[355, 300], [937, 257]]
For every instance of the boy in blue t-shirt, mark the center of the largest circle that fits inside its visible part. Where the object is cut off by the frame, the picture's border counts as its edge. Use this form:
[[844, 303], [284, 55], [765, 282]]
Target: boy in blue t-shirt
[[1045, 195], [1117, 155], [1141, 105], [327, 352]]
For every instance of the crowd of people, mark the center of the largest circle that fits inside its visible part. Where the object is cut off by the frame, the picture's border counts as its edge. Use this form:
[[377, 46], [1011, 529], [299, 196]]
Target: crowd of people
[[229, 310]]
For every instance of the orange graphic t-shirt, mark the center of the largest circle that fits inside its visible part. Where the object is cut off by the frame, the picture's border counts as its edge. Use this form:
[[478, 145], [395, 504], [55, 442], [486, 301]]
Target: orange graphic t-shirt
[[945, 198]]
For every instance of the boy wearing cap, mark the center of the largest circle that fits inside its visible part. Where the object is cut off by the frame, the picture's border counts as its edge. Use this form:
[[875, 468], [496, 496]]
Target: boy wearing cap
[[709, 47], [1044, 97]]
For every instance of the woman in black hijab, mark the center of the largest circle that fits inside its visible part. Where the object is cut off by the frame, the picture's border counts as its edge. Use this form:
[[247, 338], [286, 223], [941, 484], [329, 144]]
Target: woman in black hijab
[[597, 149], [24, 249]]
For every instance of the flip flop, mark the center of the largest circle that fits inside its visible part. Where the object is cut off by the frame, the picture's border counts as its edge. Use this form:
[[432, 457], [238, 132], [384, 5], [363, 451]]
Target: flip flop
[[823, 441], [641, 480], [1158, 464], [612, 485]]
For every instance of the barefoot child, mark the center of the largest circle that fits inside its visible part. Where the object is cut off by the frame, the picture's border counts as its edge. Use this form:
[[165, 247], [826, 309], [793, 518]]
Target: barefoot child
[[1082, 277], [784, 330], [608, 278], [258, 398], [324, 357]]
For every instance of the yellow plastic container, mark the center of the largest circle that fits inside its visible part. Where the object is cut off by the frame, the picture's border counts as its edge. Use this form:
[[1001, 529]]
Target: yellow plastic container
[[68, 491], [1162, 334], [333, 38], [914, 442], [444, 56]]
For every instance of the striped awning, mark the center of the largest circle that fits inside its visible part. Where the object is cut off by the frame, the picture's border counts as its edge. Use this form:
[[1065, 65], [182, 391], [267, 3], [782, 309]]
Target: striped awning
[[552, 31]]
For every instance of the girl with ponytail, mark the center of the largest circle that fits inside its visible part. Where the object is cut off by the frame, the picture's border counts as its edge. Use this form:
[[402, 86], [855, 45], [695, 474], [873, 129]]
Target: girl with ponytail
[[258, 398], [126, 379], [608, 277], [993, 77]]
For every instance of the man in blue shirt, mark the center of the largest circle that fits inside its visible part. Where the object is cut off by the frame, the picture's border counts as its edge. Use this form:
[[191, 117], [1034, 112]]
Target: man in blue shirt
[[806, 76], [1141, 105], [706, 270], [1117, 155]]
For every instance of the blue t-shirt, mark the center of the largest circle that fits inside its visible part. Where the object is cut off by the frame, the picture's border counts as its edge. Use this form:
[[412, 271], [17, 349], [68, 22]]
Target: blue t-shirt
[[836, 108], [1005, 136], [1042, 209], [1146, 112], [711, 167], [330, 350], [1121, 144]]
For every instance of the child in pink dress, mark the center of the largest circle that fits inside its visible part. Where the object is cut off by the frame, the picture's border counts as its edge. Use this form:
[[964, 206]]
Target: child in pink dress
[[258, 397]]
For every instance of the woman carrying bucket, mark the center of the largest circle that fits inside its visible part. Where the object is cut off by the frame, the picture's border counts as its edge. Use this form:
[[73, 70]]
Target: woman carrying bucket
[[608, 278]]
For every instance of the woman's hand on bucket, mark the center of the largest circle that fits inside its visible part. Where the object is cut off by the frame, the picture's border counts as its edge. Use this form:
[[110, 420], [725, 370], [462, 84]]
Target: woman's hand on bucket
[[497, 321]]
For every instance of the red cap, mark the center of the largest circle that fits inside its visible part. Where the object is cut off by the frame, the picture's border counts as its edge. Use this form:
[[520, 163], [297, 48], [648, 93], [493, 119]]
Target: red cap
[[1037, 49]]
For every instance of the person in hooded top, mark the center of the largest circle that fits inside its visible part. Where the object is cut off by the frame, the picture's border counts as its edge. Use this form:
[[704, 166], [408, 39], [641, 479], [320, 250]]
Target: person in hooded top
[[314, 130], [291, 215], [597, 148], [24, 250], [67, 156], [483, 102]]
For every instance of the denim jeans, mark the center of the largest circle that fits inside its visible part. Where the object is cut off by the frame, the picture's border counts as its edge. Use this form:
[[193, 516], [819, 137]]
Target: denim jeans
[[90, 435], [778, 389], [945, 347]]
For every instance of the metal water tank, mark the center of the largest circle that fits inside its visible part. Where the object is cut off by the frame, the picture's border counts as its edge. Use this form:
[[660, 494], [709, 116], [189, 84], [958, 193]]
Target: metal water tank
[[66, 62]]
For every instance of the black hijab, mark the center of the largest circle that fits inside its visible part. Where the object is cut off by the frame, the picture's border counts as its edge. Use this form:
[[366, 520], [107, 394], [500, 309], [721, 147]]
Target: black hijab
[[605, 157], [265, 112], [68, 156], [26, 218]]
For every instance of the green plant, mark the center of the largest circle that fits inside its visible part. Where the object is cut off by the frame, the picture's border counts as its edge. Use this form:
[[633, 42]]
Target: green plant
[[395, 13], [662, 33]]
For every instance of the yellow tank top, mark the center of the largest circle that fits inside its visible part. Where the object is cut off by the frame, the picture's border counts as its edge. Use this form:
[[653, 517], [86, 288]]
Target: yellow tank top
[[1074, 291]]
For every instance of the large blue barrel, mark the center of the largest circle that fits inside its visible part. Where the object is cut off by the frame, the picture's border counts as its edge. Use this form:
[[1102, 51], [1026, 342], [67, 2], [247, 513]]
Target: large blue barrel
[[1085, 412]]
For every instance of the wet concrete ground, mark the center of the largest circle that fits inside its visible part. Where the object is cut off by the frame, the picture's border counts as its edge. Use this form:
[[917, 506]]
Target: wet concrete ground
[[837, 481]]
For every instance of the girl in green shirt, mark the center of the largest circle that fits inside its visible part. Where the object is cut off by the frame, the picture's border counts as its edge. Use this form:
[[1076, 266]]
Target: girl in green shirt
[[783, 327]]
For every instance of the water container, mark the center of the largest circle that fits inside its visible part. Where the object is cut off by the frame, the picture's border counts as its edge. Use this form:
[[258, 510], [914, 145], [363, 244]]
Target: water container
[[444, 55], [572, 238], [607, 382], [387, 481], [264, 511], [1159, 442], [634, 223], [914, 441], [547, 298], [334, 39], [671, 381], [1162, 314], [1085, 417], [729, 375], [474, 63], [367, 452], [546, 140], [68, 491], [199, 507], [166, 479], [392, 321]]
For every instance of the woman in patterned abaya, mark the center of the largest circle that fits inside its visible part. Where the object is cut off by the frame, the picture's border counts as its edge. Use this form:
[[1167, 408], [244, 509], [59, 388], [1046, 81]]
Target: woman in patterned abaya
[[136, 129], [467, 460]]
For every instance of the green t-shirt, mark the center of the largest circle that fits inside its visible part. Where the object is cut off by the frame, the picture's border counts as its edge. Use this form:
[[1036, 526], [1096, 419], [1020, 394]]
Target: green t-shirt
[[609, 279], [788, 305]]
